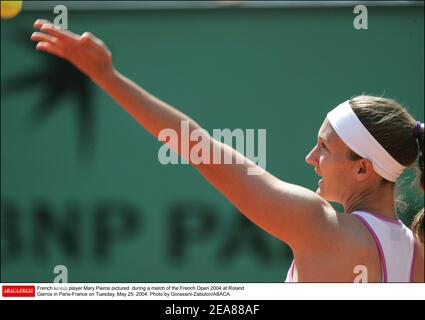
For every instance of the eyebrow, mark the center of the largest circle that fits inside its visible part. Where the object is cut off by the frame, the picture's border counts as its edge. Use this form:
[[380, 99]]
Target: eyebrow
[[323, 138], [325, 141]]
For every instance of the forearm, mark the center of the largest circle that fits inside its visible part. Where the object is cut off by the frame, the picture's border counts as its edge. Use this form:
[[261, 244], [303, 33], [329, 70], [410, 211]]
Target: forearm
[[150, 112]]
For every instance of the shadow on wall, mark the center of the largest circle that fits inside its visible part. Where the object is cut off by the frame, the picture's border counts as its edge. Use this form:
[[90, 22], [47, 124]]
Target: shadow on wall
[[57, 80], [113, 224]]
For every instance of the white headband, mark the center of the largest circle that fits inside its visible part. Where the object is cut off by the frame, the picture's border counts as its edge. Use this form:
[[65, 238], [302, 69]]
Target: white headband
[[358, 138]]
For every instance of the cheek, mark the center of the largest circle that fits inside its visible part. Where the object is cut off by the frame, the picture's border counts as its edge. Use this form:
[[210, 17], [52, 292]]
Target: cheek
[[323, 162], [333, 167], [342, 171]]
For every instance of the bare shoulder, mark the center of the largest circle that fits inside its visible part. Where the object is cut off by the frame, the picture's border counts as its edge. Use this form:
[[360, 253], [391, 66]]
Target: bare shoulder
[[418, 268], [340, 233], [341, 243], [355, 231], [311, 222], [337, 233]]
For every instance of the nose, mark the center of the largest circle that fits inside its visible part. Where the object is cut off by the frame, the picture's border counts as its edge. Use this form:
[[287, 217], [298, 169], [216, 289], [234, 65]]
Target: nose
[[312, 158]]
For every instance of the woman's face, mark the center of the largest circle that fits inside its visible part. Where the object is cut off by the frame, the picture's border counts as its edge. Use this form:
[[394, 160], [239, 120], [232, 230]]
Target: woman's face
[[330, 158]]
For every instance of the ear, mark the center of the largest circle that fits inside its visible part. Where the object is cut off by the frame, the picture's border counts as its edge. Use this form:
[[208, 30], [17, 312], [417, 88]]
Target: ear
[[363, 169]]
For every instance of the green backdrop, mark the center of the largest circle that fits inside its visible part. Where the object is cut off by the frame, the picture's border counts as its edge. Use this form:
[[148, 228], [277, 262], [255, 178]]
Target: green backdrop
[[81, 185]]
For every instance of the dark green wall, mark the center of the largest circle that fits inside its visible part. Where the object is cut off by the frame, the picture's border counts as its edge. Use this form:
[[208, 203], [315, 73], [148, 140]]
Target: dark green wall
[[80, 181]]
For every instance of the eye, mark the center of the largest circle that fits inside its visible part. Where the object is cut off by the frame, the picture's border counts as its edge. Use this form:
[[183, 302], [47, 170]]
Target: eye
[[322, 145]]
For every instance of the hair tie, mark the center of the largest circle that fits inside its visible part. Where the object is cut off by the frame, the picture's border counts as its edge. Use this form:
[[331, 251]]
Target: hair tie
[[417, 130]]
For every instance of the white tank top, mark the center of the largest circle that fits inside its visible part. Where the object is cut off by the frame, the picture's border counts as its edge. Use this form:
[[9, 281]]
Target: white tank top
[[396, 246]]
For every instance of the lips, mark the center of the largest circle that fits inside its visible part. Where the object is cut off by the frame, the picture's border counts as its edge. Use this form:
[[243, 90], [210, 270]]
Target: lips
[[320, 181], [317, 172]]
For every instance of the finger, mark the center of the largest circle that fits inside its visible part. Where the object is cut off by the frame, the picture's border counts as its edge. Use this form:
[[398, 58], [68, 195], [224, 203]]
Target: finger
[[38, 36], [50, 48], [59, 33], [40, 22], [87, 37]]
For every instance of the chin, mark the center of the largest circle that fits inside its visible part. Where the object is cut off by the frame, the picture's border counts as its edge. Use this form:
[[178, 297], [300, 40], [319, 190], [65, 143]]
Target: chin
[[323, 194]]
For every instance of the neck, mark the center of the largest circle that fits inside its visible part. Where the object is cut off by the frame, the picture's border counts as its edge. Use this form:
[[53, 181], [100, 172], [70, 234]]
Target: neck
[[380, 200]]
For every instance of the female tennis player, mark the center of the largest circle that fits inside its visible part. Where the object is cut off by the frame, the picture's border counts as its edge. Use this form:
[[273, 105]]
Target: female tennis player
[[363, 146]]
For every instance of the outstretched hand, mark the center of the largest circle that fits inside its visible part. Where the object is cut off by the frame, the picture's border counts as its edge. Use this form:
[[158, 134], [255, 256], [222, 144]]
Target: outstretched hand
[[86, 52]]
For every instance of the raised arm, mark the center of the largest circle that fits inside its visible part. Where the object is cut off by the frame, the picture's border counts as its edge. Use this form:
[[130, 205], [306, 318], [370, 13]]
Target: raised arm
[[291, 213]]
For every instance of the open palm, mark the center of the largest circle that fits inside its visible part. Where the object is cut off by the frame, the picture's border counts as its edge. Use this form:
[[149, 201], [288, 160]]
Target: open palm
[[86, 52]]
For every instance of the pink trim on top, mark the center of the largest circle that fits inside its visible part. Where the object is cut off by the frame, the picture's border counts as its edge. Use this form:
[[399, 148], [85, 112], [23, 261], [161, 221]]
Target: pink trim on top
[[413, 261], [383, 218], [378, 244]]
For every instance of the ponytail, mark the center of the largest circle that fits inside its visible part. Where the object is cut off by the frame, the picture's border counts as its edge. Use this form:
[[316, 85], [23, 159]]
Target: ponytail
[[418, 221]]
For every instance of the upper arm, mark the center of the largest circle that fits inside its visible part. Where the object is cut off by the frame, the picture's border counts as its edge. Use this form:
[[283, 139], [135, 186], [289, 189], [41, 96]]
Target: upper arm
[[293, 214]]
